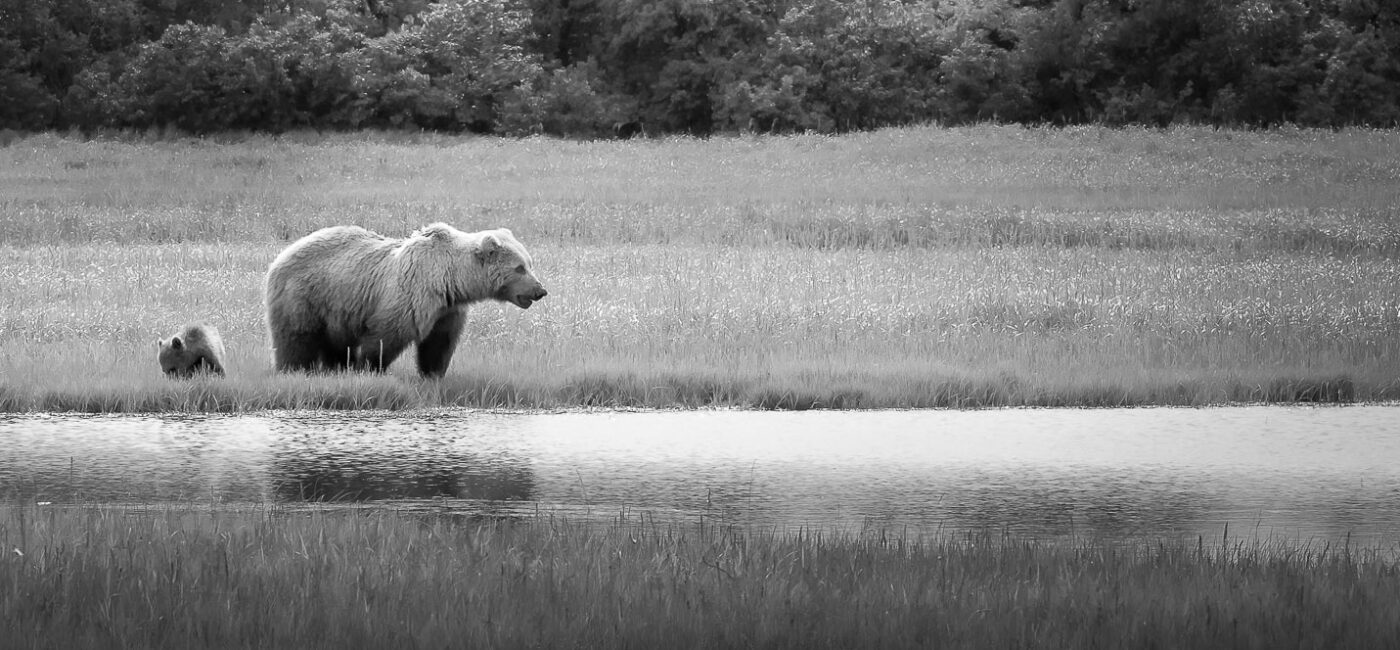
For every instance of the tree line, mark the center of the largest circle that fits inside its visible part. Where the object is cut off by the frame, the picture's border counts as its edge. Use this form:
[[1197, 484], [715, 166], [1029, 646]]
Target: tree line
[[590, 68]]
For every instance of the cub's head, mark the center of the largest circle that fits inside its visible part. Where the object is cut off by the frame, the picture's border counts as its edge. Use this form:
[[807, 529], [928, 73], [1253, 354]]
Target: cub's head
[[176, 359], [195, 350], [511, 271]]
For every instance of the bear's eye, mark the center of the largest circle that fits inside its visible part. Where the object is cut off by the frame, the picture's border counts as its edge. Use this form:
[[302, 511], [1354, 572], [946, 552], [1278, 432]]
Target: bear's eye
[[520, 269]]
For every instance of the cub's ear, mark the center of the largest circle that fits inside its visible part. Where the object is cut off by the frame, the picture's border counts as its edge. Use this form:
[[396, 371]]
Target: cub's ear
[[176, 343], [488, 247]]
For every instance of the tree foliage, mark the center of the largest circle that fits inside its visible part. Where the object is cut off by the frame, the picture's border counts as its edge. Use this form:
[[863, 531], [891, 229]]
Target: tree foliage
[[590, 67]]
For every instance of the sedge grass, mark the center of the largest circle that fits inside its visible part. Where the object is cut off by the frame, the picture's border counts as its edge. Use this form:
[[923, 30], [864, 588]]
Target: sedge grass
[[77, 577], [909, 267]]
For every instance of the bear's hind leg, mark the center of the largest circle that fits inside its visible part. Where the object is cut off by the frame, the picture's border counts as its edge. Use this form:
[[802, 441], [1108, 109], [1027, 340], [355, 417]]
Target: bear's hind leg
[[298, 351], [435, 351], [210, 364], [377, 354], [339, 358]]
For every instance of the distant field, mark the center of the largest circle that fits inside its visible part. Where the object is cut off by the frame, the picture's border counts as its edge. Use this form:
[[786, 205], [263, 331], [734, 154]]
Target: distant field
[[100, 577], [918, 267]]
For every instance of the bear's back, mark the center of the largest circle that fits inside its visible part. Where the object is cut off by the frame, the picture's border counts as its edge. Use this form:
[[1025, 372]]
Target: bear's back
[[204, 337], [329, 253]]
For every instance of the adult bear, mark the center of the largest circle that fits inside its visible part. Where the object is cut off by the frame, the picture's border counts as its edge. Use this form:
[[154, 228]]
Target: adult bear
[[347, 297]]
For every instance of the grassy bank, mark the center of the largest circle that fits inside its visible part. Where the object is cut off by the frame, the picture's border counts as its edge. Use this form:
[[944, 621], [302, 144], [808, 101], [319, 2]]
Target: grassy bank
[[100, 577], [913, 267]]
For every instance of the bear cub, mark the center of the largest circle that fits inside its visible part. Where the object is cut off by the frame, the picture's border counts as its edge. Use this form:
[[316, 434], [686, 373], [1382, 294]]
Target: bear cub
[[196, 349]]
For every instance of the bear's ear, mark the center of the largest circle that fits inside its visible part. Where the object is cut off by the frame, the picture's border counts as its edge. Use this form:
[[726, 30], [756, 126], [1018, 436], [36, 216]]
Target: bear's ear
[[488, 247], [176, 343], [437, 231]]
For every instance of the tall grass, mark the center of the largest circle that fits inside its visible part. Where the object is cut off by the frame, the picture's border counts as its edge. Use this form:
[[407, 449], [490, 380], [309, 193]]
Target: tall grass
[[909, 267], [189, 578]]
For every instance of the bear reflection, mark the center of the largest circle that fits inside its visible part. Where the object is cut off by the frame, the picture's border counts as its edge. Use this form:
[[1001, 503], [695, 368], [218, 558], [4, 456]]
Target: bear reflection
[[319, 470], [355, 484]]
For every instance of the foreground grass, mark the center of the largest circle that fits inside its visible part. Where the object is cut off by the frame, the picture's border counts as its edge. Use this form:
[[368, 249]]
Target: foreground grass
[[76, 577], [905, 268]]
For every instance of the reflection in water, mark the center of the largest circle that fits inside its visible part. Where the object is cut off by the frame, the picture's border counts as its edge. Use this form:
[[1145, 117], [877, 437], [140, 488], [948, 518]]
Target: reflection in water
[[1092, 503], [340, 459], [1291, 472]]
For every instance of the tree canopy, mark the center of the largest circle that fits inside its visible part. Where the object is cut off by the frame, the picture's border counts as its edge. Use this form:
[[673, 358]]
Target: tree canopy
[[590, 68]]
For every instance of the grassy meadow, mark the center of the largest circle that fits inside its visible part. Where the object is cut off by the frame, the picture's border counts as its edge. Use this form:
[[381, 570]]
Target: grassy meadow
[[977, 266], [97, 577]]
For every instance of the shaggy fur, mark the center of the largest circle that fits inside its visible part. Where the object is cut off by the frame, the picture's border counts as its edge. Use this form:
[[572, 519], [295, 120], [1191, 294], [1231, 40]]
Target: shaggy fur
[[197, 349], [345, 297]]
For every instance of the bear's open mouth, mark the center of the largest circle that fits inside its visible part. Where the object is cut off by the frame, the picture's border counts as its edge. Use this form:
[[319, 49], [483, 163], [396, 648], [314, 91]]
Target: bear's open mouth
[[522, 302]]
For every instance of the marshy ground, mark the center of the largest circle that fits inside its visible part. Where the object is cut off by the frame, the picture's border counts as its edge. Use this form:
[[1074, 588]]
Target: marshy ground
[[909, 267], [978, 266]]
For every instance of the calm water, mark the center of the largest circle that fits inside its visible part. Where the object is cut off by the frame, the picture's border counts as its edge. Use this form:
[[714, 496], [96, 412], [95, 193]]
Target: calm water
[[1289, 472]]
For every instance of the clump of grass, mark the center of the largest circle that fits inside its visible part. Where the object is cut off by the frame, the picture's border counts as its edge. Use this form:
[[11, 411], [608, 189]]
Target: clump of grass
[[79, 577]]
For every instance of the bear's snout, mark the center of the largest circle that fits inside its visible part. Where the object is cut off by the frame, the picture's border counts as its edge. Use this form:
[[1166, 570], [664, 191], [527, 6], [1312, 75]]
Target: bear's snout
[[524, 300]]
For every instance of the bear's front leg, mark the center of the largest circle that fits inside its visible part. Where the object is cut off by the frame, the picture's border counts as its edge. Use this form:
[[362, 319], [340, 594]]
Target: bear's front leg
[[435, 351]]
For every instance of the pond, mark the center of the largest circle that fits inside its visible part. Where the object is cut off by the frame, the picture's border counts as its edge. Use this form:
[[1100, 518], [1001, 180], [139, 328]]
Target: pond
[[1293, 473]]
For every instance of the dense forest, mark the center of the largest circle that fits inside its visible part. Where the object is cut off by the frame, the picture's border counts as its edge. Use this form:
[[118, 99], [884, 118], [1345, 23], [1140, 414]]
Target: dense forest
[[590, 68]]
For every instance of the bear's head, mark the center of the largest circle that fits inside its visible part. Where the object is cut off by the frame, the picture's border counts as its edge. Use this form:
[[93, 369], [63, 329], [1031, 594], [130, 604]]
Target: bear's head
[[499, 267], [510, 268], [175, 357]]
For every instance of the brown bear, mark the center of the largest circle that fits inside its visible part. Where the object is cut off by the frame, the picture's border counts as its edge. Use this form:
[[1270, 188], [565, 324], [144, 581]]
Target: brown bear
[[345, 297], [196, 349]]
